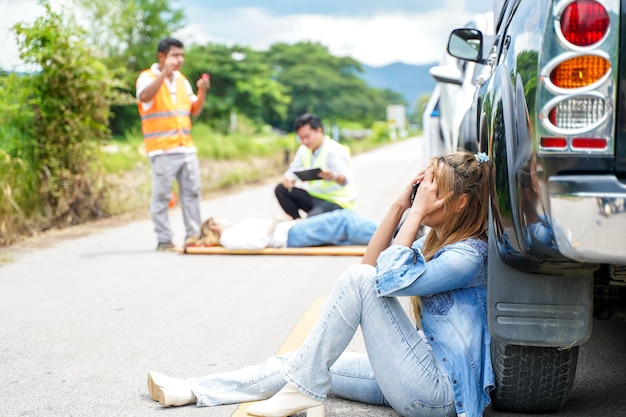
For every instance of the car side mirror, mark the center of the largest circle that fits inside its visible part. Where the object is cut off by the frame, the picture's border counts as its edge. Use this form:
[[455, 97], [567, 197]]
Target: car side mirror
[[447, 74], [466, 44]]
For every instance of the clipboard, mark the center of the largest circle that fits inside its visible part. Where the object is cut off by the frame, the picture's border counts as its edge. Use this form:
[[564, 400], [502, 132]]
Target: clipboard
[[308, 174]]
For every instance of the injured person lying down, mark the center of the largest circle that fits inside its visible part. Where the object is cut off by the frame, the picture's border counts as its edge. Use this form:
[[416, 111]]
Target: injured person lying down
[[338, 227]]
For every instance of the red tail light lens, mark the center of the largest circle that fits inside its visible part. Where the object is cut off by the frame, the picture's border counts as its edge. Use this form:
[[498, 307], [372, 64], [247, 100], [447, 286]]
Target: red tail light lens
[[553, 143], [584, 22], [589, 143]]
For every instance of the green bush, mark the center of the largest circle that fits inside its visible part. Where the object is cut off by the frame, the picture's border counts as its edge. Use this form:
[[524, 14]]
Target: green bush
[[16, 110], [20, 204], [19, 198], [71, 98]]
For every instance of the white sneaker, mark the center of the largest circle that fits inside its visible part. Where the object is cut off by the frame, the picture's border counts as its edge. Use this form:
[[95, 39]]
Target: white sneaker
[[169, 391], [286, 402]]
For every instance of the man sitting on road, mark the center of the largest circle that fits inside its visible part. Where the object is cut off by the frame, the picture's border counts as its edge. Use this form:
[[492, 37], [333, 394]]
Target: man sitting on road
[[335, 188]]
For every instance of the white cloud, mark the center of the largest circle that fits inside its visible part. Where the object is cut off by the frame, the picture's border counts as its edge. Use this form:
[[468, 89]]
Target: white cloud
[[414, 38], [22, 11], [13, 12], [376, 40]]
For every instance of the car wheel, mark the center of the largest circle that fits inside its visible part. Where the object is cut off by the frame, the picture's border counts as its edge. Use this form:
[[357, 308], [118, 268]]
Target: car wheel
[[531, 379]]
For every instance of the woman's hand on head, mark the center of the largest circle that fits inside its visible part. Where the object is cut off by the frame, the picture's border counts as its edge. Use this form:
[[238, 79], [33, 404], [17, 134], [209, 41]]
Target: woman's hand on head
[[404, 198], [428, 198]]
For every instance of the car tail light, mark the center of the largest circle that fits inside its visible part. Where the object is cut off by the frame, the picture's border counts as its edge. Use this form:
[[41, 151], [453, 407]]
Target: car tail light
[[577, 79], [553, 143], [578, 144], [589, 143], [577, 112], [584, 22], [580, 71]]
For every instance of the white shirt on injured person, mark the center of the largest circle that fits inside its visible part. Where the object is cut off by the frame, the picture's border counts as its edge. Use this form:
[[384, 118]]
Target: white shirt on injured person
[[254, 234]]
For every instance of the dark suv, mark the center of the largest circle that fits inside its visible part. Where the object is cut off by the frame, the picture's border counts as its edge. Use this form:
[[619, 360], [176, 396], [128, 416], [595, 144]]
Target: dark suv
[[551, 115]]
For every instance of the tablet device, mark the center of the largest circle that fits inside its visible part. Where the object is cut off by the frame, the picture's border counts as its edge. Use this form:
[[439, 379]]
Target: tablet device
[[308, 174]]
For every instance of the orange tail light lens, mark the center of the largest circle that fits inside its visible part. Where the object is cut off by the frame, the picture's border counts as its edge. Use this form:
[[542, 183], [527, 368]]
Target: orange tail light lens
[[580, 71]]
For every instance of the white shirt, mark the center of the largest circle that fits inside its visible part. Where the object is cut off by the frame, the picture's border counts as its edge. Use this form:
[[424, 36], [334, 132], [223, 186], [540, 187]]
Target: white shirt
[[145, 80], [338, 161], [254, 234]]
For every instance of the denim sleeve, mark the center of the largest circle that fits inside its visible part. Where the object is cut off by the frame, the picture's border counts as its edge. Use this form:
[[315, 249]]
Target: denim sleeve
[[403, 271]]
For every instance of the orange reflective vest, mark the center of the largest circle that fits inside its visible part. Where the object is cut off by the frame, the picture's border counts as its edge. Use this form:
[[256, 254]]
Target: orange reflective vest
[[166, 124]]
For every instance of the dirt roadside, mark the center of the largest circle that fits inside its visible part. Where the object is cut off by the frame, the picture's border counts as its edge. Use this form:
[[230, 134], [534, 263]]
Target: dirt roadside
[[212, 174]]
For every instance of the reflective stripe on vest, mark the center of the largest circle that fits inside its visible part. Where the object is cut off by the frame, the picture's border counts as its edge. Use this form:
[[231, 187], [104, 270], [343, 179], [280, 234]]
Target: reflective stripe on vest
[[166, 124], [344, 195]]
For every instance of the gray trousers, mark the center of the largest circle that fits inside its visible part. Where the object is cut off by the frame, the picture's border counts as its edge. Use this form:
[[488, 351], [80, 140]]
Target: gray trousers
[[185, 169]]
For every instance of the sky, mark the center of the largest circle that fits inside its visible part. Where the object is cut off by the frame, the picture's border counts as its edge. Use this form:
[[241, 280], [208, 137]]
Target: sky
[[374, 33]]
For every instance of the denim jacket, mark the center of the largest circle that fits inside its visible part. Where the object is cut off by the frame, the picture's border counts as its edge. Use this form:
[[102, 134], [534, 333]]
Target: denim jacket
[[453, 289]]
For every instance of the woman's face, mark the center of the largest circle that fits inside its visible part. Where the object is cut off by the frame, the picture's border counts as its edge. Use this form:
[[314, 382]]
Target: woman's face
[[437, 218], [216, 227]]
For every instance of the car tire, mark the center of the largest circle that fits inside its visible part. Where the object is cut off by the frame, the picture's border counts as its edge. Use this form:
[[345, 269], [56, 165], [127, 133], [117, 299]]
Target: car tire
[[532, 379]]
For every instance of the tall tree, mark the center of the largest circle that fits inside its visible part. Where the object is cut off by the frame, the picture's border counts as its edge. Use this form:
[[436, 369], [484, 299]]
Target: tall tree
[[325, 84], [127, 31], [241, 82]]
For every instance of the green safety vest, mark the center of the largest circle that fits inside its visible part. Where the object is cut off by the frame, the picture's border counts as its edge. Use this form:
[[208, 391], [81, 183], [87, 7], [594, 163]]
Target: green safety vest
[[344, 195]]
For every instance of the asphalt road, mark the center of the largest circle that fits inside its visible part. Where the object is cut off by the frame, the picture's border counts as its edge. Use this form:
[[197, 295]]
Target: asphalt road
[[83, 321]]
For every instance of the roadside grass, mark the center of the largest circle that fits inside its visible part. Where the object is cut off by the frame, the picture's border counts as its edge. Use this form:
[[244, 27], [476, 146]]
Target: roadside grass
[[225, 161]]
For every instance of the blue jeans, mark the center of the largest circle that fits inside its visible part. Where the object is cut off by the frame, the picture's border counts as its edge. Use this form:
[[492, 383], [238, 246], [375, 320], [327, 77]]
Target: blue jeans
[[399, 369], [338, 227]]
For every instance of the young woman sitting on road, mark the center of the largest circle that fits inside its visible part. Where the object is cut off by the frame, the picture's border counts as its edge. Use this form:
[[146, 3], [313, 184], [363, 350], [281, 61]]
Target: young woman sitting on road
[[438, 365]]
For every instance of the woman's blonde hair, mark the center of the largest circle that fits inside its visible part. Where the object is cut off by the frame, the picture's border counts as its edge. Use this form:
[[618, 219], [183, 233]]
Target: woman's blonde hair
[[209, 233], [462, 173]]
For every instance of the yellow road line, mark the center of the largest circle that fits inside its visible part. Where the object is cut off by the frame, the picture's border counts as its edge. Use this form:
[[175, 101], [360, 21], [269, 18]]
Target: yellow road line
[[293, 341]]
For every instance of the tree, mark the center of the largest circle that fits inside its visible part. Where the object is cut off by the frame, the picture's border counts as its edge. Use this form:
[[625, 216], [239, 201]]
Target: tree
[[241, 82], [420, 106], [127, 31], [71, 98], [326, 85]]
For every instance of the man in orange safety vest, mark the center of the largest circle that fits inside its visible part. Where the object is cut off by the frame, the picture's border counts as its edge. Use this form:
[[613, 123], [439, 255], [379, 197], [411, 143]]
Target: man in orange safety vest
[[166, 103]]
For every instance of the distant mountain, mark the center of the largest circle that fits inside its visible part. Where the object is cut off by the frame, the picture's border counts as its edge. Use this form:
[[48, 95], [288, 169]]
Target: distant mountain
[[409, 80]]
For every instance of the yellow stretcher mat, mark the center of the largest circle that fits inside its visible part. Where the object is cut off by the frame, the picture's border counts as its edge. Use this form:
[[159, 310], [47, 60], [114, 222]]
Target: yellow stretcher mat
[[312, 250]]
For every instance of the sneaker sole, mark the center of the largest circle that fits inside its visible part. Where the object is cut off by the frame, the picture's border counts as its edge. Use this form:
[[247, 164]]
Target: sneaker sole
[[153, 388], [174, 249]]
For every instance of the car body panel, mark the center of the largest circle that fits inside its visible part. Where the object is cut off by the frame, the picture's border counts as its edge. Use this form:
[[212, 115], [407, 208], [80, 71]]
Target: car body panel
[[555, 211]]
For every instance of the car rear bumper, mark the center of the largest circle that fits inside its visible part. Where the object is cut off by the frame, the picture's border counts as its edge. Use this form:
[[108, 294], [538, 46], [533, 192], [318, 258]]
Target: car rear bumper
[[583, 228]]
